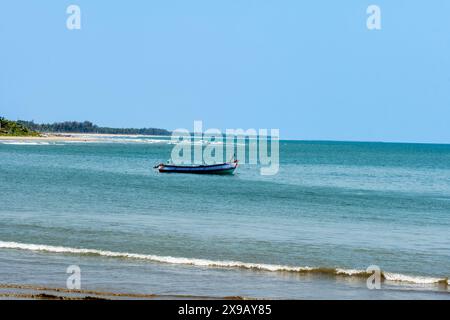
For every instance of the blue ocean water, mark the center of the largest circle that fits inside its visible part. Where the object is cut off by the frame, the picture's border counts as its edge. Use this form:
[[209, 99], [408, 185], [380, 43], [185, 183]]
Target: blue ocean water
[[334, 209]]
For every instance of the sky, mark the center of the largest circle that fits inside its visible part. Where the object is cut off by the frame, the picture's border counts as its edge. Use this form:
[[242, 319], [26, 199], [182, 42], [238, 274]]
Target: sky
[[311, 69]]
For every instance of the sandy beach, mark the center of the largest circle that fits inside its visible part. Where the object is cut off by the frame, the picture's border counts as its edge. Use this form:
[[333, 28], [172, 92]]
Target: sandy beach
[[53, 138], [66, 137]]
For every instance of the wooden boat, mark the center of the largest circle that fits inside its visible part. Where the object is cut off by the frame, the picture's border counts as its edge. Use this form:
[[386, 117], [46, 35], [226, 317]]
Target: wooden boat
[[221, 168]]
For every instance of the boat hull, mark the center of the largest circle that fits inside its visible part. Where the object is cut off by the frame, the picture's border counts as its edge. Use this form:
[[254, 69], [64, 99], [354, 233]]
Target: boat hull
[[224, 168]]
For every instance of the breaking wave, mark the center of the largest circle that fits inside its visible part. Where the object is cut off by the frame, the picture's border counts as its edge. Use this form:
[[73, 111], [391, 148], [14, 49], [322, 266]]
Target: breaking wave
[[386, 276], [25, 143]]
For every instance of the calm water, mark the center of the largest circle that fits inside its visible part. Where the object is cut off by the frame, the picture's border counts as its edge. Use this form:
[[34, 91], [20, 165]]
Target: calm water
[[332, 206]]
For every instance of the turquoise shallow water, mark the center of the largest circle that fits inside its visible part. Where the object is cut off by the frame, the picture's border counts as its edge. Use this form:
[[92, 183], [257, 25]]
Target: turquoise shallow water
[[332, 206]]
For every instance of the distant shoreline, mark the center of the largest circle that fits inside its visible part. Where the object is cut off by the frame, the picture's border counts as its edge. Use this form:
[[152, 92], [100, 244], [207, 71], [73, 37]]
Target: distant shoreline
[[61, 137], [100, 137], [50, 138]]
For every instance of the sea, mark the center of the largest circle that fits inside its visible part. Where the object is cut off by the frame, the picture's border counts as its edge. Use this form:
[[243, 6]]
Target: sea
[[334, 214]]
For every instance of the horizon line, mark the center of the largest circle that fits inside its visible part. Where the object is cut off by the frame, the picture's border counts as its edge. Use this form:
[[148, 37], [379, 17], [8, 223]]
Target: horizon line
[[288, 139]]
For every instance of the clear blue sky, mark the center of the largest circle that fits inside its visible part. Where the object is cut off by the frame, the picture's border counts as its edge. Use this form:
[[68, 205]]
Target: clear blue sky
[[310, 68]]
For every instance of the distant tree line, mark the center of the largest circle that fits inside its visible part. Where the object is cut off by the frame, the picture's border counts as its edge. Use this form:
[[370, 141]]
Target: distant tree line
[[88, 127], [13, 128]]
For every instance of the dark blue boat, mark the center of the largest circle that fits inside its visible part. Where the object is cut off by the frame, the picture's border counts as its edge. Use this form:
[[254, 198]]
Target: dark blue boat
[[222, 168]]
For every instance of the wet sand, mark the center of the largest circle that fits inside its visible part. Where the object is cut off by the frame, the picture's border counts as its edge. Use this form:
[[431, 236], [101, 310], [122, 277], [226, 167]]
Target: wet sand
[[33, 292]]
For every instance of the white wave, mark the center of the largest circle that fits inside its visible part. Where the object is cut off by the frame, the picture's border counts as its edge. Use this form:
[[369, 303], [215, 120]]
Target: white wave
[[25, 143], [394, 277], [397, 277], [350, 272], [79, 142], [126, 141], [152, 141], [164, 259]]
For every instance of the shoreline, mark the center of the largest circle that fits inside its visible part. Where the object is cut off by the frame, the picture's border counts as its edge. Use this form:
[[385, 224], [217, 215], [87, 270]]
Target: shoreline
[[74, 137], [99, 137], [36, 292], [49, 138]]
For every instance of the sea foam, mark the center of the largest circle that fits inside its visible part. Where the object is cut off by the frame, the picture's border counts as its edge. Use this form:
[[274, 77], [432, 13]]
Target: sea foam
[[387, 276], [25, 143]]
